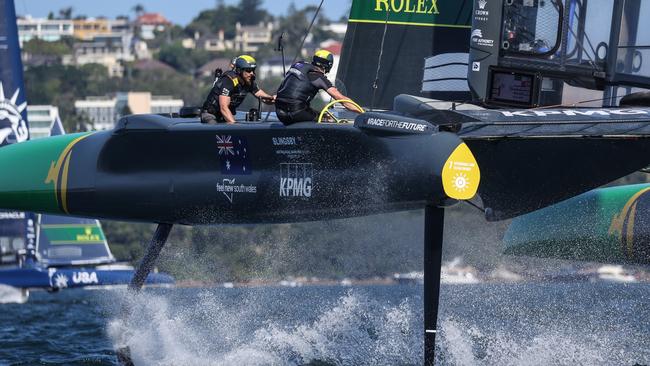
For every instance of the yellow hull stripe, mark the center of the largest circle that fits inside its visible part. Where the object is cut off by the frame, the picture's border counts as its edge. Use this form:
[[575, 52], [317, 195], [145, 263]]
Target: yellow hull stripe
[[64, 183], [62, 166], [629, 235], [409, 23], [616, 227]]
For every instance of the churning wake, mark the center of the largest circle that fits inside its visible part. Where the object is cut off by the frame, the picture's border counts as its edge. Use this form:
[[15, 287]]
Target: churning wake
[[10, 295], [352, 329]]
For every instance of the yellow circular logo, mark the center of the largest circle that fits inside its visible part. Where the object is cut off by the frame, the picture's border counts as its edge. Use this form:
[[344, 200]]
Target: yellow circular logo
[[461, 174]]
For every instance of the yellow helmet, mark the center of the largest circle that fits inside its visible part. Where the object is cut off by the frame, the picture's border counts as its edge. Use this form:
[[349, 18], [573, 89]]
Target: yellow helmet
[[245, 62], [323, 59]]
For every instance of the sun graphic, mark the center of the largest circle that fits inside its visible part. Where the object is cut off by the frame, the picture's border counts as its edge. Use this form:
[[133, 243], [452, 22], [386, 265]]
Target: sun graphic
[[13, 113], [60, 281], [460, 181]]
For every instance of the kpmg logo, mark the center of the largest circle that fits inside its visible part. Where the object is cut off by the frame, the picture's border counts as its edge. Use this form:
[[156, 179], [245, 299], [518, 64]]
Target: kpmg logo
[[13, 128], [296, 179], [407, 6], [574, 113]]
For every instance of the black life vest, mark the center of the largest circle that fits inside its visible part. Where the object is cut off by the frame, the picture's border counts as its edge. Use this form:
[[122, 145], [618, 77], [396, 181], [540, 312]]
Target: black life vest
[[237, 95], [297, 88]]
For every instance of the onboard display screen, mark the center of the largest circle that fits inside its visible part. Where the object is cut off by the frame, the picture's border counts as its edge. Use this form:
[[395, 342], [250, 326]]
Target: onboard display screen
[[512, 88]]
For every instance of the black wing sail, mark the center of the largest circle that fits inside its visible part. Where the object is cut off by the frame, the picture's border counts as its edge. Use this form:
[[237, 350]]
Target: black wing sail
[[387, 46], [530, 159]]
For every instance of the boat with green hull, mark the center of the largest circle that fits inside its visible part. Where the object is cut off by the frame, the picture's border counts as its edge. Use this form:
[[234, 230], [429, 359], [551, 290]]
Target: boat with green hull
[[416, 153], [610, 225]]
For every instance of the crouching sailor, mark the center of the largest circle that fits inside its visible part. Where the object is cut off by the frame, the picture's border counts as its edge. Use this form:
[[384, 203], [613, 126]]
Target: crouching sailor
[[229, 91], [301, 84]]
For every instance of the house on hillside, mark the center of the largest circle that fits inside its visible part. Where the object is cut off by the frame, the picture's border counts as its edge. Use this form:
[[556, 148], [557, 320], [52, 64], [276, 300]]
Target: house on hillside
[[249, 38], [216, 42], [91, 28], [104, 111], [207, 70], [109, 50], [46, 29], [148, 23], [152, 65], [272, 68]]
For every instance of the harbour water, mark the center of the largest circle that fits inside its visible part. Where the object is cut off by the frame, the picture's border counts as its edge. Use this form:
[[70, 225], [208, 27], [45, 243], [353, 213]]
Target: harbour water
[[480, 324]]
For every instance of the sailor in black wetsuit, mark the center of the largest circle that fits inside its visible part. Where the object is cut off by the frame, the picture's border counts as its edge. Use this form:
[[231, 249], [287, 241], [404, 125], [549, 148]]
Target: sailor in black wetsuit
[[229, 92], [219, 71], [301, 84]]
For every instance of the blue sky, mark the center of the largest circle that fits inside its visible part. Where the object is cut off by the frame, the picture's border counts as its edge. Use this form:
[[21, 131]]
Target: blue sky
[[179, 12]]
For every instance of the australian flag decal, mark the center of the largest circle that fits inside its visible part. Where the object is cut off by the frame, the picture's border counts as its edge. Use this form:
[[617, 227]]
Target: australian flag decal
[[234, 156]]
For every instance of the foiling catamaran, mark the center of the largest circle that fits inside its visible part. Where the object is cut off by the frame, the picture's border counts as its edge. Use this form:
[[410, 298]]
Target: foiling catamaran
[[54, 252], [70, 252], [45, 251], [417, 152]]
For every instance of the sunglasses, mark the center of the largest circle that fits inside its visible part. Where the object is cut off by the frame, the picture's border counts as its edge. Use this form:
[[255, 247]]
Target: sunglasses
[[249, 69]]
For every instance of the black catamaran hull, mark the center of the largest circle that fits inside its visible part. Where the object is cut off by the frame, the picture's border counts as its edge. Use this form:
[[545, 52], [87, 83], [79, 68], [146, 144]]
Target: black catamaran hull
[[153, 168], [157, 169]]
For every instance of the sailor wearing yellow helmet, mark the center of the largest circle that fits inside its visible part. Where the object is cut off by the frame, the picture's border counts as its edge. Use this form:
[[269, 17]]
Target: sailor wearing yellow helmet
[[301, 84], [229, 91]]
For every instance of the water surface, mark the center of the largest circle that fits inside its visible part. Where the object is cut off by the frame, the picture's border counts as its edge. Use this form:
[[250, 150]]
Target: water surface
[[483, 324]]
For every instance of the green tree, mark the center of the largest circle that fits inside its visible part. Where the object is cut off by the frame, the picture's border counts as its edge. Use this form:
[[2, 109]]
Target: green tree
[[250, 12], [36, 46], [138, 9], [209, 22], [182, 59], [127, 240], [169, 35], [295, 24], [65, 13], [319, 33]]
